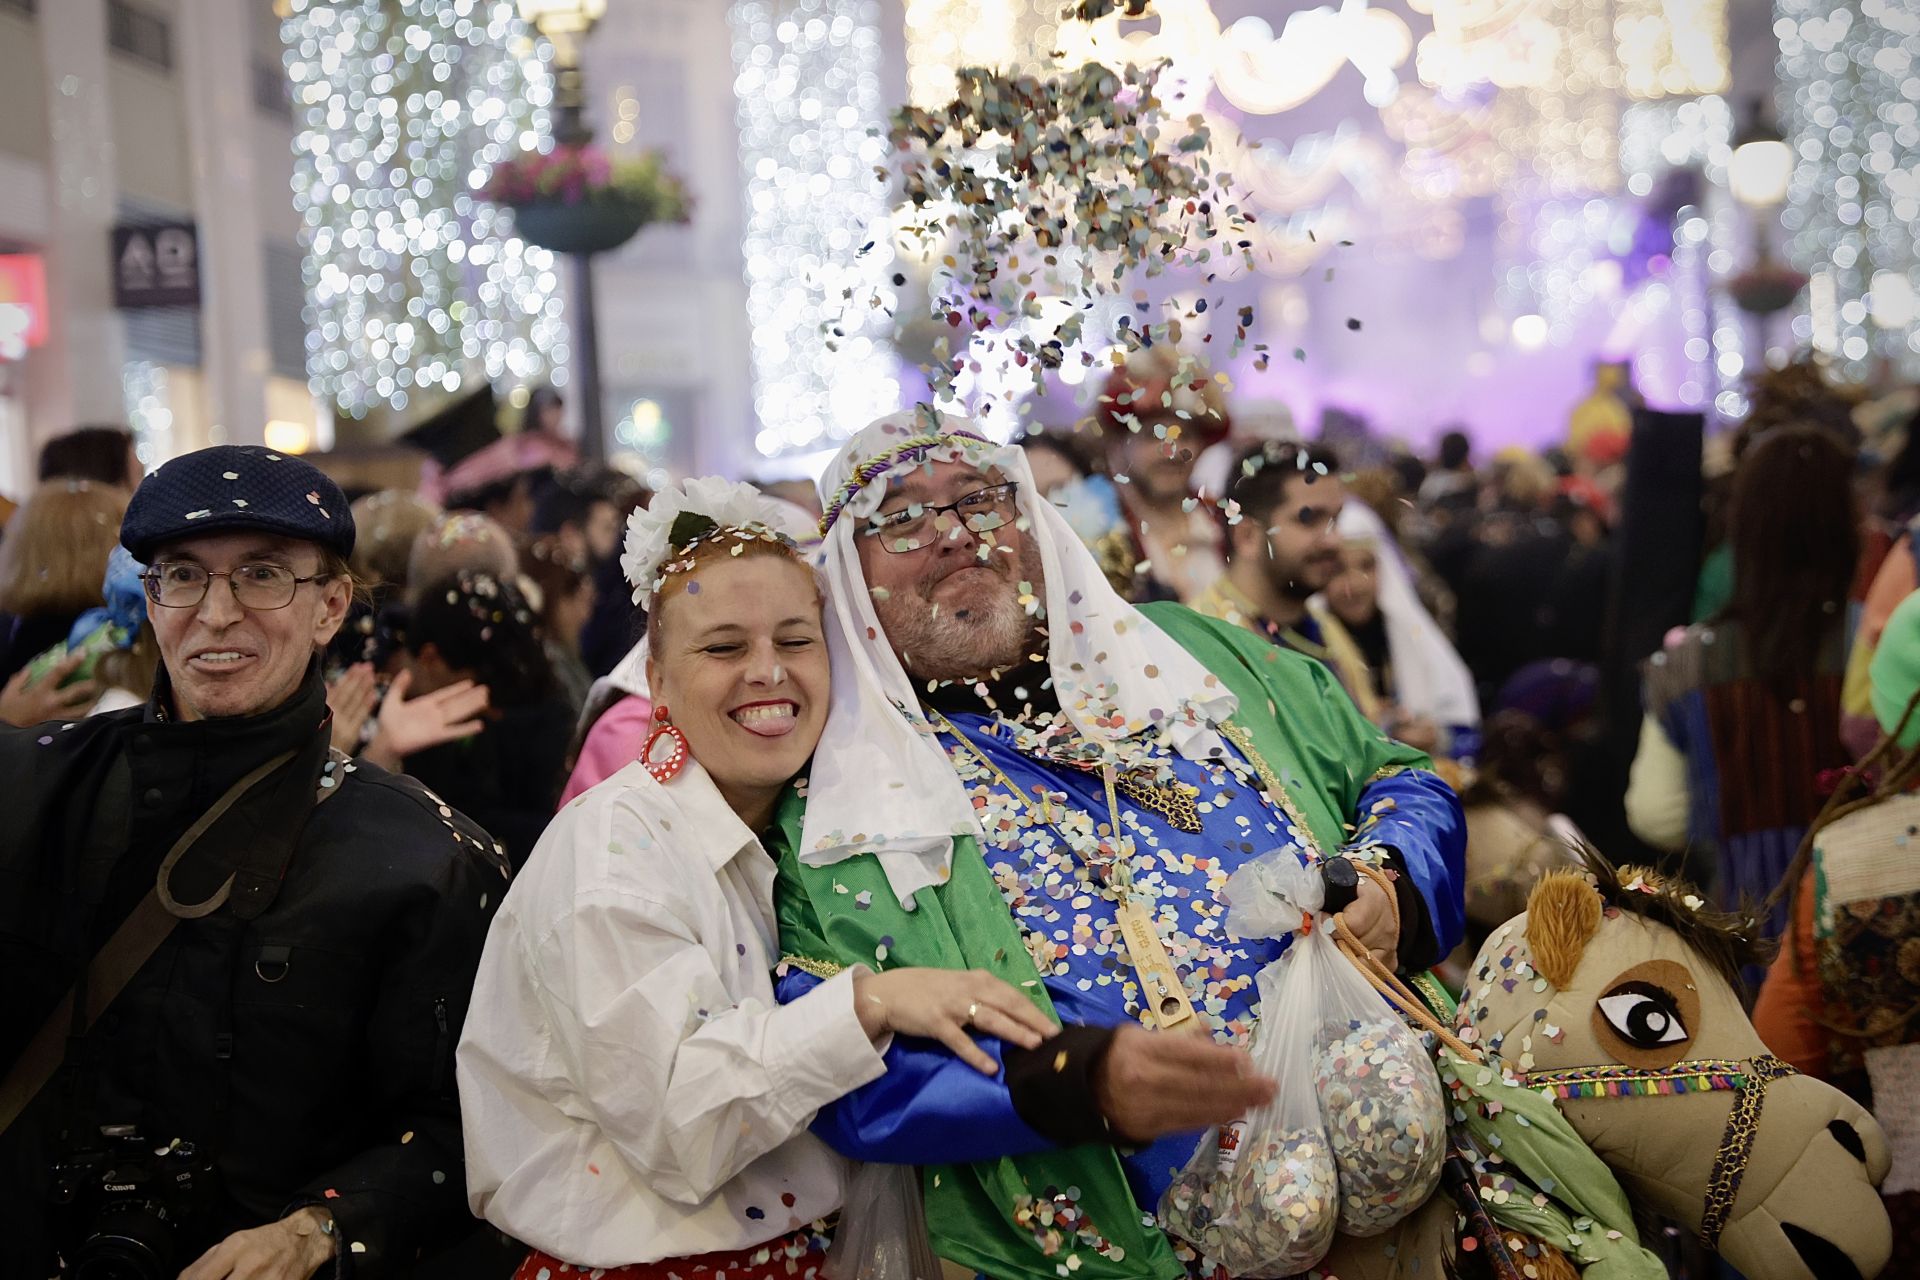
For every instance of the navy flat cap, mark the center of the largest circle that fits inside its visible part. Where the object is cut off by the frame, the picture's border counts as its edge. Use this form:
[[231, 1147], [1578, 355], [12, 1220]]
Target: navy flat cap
[[236, 487]]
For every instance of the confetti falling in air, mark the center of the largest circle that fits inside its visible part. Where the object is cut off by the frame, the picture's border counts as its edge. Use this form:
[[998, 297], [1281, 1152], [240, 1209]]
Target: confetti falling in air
[[1094, 10], [1041, 199]]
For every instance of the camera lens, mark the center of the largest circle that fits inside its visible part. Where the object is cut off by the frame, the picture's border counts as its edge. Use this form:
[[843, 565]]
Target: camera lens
[[130, 1240]]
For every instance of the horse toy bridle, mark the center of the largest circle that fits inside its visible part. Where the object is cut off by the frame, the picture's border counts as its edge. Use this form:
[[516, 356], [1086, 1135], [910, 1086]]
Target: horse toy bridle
[[1747, 1077]]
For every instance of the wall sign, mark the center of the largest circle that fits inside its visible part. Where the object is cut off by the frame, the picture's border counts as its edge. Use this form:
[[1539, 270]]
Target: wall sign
[[156, 265]]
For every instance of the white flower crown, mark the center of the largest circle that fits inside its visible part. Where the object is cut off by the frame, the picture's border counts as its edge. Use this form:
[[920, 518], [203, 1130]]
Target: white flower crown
[[715, 505]]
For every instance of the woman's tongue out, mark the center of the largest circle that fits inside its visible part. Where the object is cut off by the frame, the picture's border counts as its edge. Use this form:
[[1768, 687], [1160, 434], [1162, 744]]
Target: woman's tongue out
[[767, 719]]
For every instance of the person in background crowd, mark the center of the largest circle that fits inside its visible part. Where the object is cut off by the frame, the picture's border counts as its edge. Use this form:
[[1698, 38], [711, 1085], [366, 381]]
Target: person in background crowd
[[1451, 486], [545, 414], [301, 936], [104, 455], [1283, 548], [1419, 677], [507, 501], [1523, 778], [609, 1125], [615, 626], [367, 683], [1743, 712], [564, 602], [800, 492], [1891, 425], [462, 540], [1409, 473], [389, 522], [1385, 490], [1526, 589], [505, 765], [613, 726], [52, 562], [1798, 395], [1058, 459], [581, 510], [1256, 420], [1068, 475], [115, 643], [1839, 999], [1601, 424], [1157, 413], [1888, 556]]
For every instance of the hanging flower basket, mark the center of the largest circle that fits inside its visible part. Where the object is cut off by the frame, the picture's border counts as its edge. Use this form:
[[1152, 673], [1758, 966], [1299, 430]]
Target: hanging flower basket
[[1766, 287], [575, 199]]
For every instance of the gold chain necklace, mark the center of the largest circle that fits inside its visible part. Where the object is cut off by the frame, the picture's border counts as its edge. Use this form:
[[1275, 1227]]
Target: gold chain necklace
[[1160, 986], [1174, 800]]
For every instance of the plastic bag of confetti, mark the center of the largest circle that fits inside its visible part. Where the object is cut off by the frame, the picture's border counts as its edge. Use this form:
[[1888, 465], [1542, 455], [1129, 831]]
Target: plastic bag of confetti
[[1261, 1197], [1379, 1095], [1385, 1116], [883, 1228]]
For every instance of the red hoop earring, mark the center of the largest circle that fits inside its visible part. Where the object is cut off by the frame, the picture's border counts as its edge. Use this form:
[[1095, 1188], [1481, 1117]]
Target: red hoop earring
[[667, 770]]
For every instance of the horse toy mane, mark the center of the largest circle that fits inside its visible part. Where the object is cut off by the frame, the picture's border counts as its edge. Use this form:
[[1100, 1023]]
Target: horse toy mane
[[1562, 917]]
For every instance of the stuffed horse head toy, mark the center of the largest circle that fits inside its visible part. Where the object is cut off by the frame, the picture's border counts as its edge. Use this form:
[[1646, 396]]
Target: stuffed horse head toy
[[1616, 992]]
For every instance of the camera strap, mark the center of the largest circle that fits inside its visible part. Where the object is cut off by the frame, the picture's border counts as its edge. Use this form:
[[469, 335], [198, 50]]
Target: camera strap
[[123, 955]]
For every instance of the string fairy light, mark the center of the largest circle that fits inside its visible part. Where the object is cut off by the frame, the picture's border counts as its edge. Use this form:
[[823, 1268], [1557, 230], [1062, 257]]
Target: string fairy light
[[1671, 50], [946, 35], [1853, 117], [414, 284], [1679, 133], [808, 106]]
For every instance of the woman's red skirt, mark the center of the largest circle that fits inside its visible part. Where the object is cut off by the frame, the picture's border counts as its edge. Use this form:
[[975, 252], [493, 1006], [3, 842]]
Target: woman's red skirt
[[798, 1256]]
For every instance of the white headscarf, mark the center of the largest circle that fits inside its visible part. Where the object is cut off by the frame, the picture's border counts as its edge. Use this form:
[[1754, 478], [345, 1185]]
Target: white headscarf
[[1429, 679], [881, 781]]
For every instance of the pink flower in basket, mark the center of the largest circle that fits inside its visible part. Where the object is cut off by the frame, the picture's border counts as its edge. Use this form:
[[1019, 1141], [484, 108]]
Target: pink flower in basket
[[573, 175]]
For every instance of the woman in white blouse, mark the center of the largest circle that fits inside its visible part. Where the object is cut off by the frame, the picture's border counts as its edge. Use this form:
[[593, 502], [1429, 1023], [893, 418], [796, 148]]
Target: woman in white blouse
[[634, 1099]]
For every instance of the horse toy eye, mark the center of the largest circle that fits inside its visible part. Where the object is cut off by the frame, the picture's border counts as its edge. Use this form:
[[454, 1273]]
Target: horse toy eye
[[1643, 1015]]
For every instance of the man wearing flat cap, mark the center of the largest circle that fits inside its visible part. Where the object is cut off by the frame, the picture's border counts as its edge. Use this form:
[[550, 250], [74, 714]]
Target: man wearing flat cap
[[236, 962]]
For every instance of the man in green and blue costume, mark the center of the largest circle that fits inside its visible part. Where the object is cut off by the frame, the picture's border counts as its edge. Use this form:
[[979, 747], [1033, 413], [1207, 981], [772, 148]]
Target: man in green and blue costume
[[1023, 773]]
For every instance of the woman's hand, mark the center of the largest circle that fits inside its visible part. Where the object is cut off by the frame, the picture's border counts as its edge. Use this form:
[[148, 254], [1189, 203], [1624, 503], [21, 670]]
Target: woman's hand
[[351, 696], [26, 701], [407, 725], [940, 1004]]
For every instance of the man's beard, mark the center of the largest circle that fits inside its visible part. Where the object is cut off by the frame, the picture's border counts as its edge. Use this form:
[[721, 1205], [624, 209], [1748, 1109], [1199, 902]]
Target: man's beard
[[1298, 583], [935, 642], [1162, 483]]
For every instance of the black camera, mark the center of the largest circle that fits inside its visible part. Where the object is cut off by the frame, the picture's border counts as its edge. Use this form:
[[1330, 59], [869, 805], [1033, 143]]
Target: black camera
[[122, 1204]]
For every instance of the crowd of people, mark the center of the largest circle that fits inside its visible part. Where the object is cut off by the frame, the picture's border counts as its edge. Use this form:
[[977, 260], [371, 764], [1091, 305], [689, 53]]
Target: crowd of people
[[535, 874]]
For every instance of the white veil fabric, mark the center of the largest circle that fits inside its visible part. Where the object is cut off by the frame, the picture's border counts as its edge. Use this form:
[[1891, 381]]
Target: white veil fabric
[[1430, 680], [881, 781]]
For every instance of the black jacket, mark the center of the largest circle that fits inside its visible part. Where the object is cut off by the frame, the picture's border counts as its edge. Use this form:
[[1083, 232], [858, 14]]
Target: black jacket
[[508, 777], [304, 1032]]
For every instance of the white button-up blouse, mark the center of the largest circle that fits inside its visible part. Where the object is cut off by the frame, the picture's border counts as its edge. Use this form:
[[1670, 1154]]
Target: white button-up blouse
[[629, 1088]]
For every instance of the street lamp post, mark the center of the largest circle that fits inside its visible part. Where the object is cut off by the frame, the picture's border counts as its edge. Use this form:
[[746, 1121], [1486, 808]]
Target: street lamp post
[[1758, 174], [1762, 162], [565, 23]]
